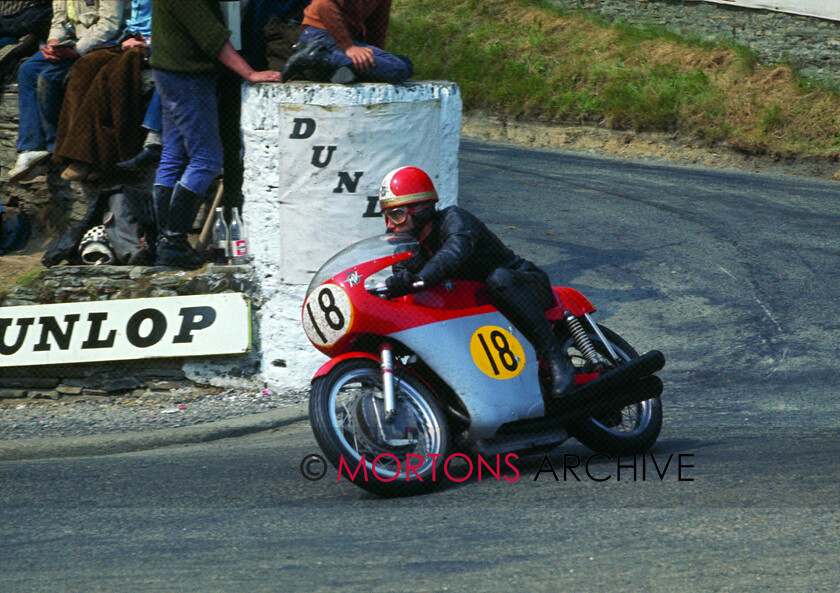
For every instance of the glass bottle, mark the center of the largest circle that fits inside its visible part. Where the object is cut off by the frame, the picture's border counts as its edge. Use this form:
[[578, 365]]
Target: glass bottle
[[238, 241], [221, 237]]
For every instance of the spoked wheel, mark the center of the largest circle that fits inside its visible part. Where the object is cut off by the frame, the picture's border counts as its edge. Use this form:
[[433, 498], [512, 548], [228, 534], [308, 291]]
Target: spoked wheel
[[394, 458], [630, 430]]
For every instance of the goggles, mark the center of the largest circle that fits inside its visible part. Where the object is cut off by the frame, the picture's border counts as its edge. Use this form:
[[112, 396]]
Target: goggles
[[398, 214]]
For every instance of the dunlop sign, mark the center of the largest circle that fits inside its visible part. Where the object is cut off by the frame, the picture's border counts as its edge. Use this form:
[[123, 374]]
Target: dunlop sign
[[124, 330]]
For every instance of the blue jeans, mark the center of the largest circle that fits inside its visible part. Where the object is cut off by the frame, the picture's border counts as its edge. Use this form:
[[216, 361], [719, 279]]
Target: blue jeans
[[192, 148], [154, 113], [41, 86], [387, 67]]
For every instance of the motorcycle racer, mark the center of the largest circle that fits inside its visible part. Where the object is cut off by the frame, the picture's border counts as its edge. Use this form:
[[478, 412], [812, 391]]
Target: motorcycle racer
[[457, 245]]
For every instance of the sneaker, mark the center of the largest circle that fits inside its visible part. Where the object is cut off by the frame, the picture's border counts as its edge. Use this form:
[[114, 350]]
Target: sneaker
[[76, 171], [343, 75], [26, 162]]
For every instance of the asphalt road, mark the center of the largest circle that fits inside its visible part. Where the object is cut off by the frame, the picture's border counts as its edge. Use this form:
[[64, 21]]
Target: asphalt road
[[730, 275]]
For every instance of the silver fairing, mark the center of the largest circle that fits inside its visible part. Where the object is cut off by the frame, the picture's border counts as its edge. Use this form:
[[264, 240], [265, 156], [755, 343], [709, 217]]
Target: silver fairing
[[491, 402]]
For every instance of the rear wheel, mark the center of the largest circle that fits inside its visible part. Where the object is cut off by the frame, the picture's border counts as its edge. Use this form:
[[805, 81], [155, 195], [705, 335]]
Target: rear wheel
[[633, 429], [399, 458]]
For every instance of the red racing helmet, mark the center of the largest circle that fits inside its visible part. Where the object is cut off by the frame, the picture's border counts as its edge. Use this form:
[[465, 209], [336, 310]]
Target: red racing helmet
[[404, 186]]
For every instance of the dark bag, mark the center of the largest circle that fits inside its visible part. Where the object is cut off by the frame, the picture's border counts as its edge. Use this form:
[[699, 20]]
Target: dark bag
[[130, 227], [128, 216], [13, 233]]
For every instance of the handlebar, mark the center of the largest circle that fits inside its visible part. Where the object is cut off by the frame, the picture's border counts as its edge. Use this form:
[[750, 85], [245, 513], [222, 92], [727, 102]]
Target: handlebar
[[381, 290]]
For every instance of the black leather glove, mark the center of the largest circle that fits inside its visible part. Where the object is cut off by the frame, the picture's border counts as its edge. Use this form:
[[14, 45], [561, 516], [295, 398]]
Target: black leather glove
[[413, 265], [400, 283]]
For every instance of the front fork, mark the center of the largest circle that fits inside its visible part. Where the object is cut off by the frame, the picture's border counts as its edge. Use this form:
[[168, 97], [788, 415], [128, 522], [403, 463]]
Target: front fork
[[583, 342], [386, 355]]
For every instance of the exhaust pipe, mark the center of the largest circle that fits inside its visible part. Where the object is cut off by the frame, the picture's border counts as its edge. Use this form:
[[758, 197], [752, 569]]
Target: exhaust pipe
[[645, 389], [610, 390]]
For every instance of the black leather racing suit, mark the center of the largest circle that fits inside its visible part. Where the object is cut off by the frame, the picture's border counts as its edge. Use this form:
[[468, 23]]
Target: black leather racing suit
[[460, 246]]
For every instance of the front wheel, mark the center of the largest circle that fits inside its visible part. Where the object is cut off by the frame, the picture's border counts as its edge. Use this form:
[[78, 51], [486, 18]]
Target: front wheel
[[399, 458], [628, 431]]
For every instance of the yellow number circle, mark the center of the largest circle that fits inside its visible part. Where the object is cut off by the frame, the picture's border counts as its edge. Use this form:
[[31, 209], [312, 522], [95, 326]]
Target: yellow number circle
[[496, 352]]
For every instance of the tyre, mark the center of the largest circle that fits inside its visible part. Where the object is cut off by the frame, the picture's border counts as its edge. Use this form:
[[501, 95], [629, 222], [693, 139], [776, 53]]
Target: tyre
[[628, 431], [400, 458]]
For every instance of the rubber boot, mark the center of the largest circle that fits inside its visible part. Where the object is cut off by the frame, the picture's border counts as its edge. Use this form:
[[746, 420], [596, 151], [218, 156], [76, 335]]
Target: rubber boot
[[161, 196], [519, 305], [173, 249]]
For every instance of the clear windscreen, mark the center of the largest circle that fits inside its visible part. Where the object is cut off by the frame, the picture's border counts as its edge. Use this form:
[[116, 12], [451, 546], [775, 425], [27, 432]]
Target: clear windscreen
[[364, 251]]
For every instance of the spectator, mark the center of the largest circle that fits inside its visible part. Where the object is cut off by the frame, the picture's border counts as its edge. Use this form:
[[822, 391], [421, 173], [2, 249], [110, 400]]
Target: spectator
[[77, 26], [343, 41], [100, 122], [153, 124], [191, 43], [255, 33], [23, 23], [255, 18]]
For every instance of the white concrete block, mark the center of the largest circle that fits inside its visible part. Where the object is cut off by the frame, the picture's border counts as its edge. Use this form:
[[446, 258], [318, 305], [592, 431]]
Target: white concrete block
[[314, 156]]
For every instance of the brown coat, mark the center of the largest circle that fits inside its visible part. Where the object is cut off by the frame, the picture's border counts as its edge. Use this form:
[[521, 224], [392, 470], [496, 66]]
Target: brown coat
[[103, 109]]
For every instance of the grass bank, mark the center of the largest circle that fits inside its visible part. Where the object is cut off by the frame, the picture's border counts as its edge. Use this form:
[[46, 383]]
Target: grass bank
[[527, 59]]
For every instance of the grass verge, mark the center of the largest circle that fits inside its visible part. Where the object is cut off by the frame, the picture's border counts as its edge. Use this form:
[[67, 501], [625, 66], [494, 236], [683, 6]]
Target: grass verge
[[527, 59]]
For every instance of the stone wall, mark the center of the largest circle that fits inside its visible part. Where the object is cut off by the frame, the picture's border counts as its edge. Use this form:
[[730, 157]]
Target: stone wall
[[811, 44], [53, 205]]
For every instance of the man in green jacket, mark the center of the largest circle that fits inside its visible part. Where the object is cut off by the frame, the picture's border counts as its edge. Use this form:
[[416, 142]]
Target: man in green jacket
[[191, 45]]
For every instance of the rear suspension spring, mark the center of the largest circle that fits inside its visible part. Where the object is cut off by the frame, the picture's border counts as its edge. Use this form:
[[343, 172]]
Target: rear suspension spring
[[582, 340]]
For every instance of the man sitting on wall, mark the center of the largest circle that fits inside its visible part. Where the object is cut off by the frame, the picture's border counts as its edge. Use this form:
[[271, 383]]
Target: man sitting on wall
[[343, 41], [77, 27]]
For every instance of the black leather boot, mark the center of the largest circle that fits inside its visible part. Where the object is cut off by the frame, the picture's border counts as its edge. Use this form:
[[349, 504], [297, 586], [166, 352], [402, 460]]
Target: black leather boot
[[148, 157], [560, 370], [173, 249], [520, 306], [310, 62]]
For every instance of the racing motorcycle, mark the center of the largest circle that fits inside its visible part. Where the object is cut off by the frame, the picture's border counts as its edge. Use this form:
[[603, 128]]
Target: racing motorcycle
[[415, 379]]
